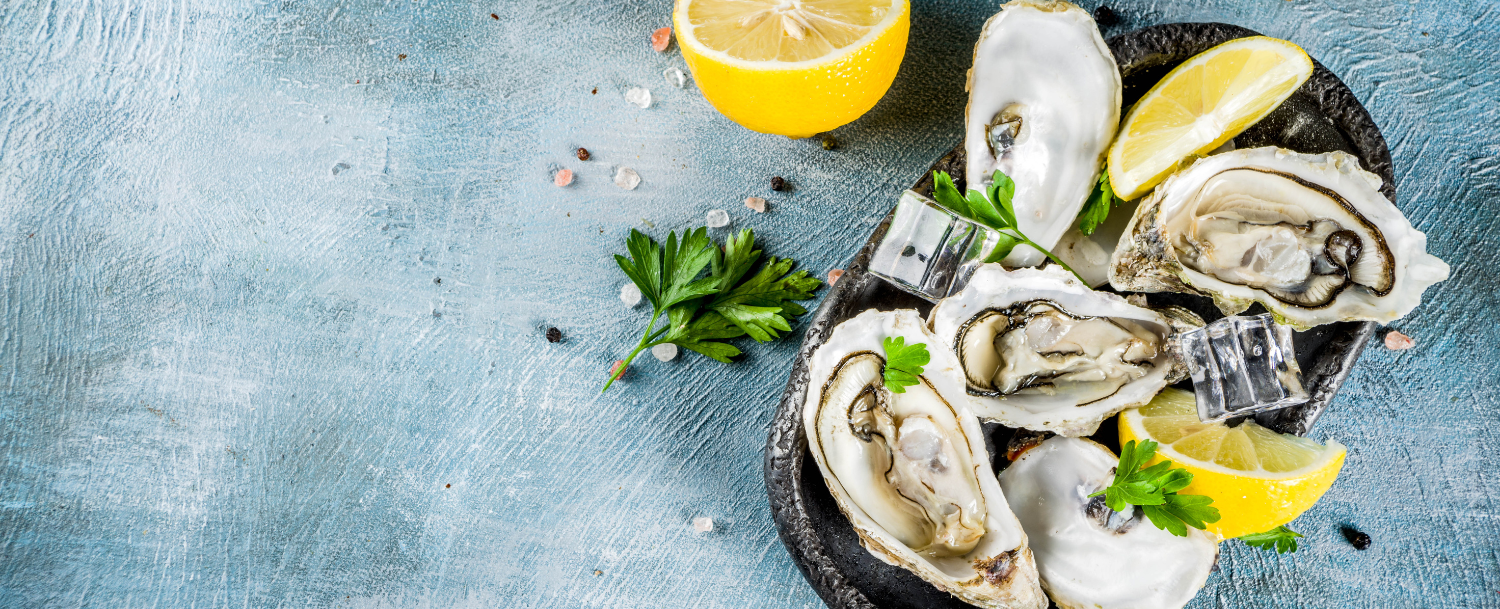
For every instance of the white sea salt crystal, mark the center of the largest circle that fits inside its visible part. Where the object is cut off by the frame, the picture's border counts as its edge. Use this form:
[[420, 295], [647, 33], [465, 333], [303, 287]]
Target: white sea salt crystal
[[703, 524], [630, 295], [639, 96], [717, 218], [664, 352], [627, 178], [675, 77]]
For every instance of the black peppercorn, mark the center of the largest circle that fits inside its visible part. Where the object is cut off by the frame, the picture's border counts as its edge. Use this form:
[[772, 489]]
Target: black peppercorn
[[1357, 538], [778, 184], [583, 154], [828, 141], [554, 335], [1105, 16]]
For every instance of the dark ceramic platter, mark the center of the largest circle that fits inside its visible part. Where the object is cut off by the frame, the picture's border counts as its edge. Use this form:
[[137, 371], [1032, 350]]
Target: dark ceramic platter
[[1322, 116]]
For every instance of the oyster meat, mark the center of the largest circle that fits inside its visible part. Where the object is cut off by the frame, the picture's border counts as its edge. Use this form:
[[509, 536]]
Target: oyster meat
[[910, 469], [1309, 236], [1092, 556], [1041, 351], [1044, 103]]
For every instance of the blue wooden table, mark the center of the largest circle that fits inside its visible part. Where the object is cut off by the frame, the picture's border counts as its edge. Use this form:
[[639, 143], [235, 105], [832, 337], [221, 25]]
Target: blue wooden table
[[275, 278]]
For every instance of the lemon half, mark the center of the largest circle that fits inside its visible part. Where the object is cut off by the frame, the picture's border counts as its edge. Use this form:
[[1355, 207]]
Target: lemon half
[[792, 67], [1259, 479], [1201, 104]]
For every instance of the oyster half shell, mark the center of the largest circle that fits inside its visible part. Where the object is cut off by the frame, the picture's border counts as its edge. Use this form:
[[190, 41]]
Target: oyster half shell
[[1039, 350], [910, 470], [1089, 555], [1309, 236], [1044, 104]]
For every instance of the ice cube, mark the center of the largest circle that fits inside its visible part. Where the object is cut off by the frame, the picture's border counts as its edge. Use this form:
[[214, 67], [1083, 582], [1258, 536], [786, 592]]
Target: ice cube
[[627, 178], [1242, 365], [675, 77], [717, 218], [664, 352], [630, 295], [639, 96]]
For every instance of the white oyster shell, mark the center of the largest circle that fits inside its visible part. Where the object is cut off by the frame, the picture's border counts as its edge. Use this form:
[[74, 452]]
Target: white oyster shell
[[1066, 410], [1114, 564], [1044, 63], [925, 432], [1175, 241]]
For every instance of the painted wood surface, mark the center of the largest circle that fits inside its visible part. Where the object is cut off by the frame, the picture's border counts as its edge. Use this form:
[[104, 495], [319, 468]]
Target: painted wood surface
[[275, 279]]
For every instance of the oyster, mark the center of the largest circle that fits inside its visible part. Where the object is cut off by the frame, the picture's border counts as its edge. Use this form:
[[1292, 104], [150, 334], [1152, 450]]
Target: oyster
[[1039, 350], [1309, 236], [1044, 103], [1092, 556], [910, 469]]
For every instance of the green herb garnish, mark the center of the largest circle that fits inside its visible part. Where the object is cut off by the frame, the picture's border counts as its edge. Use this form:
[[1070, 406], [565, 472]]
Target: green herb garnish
[[1281, 539], [1154, 490], [991, 208], [727, 303], [1096, 208], [903, 363]]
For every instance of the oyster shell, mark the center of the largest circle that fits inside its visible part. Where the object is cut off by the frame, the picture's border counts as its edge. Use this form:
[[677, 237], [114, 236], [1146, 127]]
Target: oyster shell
[[1039, 350], [910, 470], [1044, 104], [1309, 236], [1092, 556]]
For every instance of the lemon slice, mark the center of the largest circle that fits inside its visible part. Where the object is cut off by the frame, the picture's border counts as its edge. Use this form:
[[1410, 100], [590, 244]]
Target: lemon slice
[[1201, 104], [1259, 479], [792, 67]]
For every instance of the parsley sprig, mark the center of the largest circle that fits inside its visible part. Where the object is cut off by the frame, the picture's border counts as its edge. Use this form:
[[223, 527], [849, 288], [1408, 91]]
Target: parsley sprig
[[1281, 539], [992, 208], [1154, 489], [903, 363], [726, 303], [1096, 207]]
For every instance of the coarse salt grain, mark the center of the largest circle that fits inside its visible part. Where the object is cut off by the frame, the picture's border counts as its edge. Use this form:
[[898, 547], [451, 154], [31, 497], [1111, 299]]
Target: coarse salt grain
[[630, 294], [627, 178], [703, 524], [756, 203], [675, 77], [834, 275], [1397, 341], [660, 39], [664, 352], [619, 363], [563, 177], [717, 218], [639, 96]]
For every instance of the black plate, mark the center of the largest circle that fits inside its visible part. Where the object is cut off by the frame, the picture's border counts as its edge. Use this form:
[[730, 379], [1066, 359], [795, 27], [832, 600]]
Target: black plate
[[1322, 116]]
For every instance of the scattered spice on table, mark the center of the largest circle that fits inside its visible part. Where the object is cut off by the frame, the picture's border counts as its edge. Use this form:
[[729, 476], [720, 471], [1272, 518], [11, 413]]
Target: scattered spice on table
[[756, 203], [582, 153], [660, 39], [563, 177], [1357, 538], [1397, 341], [554, 335], [834, 275], [778, 183]]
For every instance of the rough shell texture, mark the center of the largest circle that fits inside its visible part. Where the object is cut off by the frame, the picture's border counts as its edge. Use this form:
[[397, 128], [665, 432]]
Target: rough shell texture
[[1145, 261], [992, 287]]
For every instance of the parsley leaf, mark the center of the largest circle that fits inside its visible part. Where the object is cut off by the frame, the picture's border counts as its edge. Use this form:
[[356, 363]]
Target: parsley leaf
[[1281, 539], [992, 208], [903, 363], [1096, 207], [728, 302], [1154, 489]]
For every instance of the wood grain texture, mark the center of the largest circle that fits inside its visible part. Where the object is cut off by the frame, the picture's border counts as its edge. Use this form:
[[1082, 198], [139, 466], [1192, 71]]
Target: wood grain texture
[[274, 298]]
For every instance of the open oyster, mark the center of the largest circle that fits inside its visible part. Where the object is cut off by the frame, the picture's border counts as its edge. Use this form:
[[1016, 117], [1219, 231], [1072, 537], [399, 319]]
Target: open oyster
[[910, 469], [1041, 351], [1044, 103], [1308, 236], [1092, 556]]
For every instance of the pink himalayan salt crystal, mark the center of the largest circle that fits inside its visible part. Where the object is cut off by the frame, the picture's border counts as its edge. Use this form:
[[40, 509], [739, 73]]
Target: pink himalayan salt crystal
[[1397, 341], [756, 203], [563, 177], [619, 363], [660, 39], [833, 276]]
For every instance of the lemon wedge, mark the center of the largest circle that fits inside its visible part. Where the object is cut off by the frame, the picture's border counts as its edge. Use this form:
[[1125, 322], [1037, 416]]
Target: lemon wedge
[[1201, 104], [1259, 479], [792, 67]]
